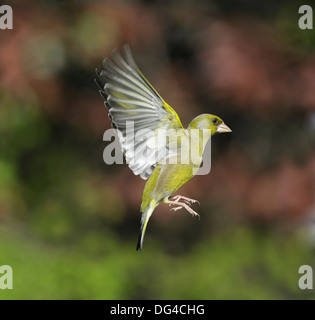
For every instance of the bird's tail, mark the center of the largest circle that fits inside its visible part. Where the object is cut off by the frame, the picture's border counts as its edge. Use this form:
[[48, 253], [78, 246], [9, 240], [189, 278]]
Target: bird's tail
[[144, 222]]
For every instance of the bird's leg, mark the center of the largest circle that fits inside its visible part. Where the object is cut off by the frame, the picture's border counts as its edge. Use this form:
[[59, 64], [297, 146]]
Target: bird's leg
[[181, 205], [188, 200]]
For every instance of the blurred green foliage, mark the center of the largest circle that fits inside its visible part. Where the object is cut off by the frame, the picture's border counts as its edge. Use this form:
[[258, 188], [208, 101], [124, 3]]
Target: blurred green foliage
[[239, 264]]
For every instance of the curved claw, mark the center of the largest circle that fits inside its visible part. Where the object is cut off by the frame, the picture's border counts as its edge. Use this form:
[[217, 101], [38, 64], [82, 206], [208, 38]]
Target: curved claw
[[189, 201], [181, 205]]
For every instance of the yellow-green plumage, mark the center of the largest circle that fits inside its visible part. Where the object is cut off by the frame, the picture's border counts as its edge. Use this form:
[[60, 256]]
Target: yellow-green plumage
[[130, 97], [167, 179]]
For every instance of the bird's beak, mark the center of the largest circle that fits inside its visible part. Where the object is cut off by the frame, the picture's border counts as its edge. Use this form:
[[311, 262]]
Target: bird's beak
[[223, 128]]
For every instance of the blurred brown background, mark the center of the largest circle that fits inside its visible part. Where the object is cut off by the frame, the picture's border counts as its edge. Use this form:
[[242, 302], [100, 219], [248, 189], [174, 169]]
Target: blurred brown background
[[69, 222]]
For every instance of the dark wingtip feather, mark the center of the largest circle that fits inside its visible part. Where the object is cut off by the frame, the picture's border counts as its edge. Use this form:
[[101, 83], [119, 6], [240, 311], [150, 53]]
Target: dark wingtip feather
[[100, 82], [140, 242]]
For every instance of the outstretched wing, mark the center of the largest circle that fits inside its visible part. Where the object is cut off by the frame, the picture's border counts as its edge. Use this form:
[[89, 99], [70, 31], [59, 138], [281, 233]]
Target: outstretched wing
[[130, 98]]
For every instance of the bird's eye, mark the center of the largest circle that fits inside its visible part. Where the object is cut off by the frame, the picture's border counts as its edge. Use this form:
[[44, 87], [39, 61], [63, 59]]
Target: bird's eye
[[215, 121]]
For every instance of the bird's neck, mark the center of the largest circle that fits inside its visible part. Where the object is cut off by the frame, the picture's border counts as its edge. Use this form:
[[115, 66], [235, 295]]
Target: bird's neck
[[199, 139]]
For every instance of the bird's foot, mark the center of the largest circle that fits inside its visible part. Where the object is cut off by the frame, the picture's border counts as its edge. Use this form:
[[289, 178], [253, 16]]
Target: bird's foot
[[181, 205], [188, 200]]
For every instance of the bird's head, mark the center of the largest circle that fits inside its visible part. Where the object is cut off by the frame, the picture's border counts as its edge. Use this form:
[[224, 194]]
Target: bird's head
[[209, 121]]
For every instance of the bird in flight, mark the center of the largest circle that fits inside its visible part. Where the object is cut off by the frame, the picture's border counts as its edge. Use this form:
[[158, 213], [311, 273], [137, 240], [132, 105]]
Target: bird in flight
[[130, 98]]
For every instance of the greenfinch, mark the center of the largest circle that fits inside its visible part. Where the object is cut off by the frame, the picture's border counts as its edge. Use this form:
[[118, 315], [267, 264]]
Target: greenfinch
[[130, 97]]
